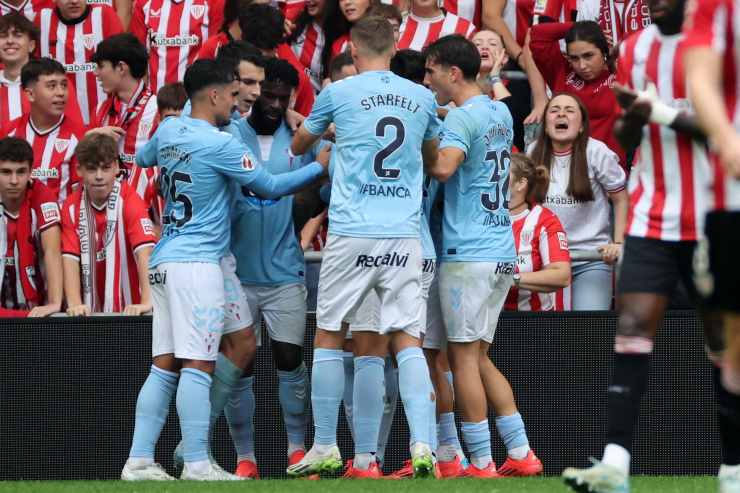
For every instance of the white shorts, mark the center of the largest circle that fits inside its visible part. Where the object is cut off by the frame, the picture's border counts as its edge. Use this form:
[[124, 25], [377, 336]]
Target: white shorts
[[237, 315], [367, 316], [188, 303], [472, 295], [435, 336], [282, 307], [352, 267]]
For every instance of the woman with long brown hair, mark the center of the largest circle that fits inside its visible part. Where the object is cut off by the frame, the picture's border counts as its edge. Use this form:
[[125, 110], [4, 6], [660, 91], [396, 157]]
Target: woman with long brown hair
[[543, 261], [584, 176]]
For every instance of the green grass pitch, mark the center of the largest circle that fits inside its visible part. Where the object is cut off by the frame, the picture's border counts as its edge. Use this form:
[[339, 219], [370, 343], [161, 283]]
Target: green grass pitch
[[654, 484]]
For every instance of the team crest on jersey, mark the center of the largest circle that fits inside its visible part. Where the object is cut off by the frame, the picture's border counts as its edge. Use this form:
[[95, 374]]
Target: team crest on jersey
[[563, 241], [61, 145], [247, 163], [527, 236], [89, 41], [144, 128], [197, 11], [147, 226], [50, 210]]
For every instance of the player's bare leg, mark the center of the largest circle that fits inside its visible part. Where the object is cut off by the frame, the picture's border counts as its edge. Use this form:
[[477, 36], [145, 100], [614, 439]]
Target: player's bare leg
[[520, 460], [639, 317], [327, 387]]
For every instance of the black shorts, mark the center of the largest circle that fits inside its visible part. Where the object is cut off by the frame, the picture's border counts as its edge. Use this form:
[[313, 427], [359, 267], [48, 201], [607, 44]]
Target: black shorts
[[656, 266], [723, 236]]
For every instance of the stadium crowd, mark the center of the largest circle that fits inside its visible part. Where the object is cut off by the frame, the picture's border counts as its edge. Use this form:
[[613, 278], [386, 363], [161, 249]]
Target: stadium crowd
[[95, 98]]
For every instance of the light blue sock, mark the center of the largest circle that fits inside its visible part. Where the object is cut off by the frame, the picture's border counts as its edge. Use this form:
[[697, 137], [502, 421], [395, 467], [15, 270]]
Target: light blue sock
[[239, 412], [194, 410], [152, 407], [225, 378], [448, 430], [477, 437], [416, 391], [327, 388], [389, 407], [368, 402], [512, 432], [293, 390], [348, 360]]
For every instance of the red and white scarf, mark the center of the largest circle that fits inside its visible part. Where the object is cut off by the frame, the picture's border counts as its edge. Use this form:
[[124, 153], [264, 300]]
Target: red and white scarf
[[635, 17], [117, 286], [25, 255]]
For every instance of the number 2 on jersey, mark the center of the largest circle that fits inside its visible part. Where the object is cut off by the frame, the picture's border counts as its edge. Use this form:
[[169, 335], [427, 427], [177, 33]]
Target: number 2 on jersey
[[380, 128], [499, 199]]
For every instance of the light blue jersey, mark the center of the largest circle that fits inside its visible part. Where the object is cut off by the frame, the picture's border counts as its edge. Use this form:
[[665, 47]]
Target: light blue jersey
[[429, 192], [263, 237], [476, 225], [196, 164], [381, 122]]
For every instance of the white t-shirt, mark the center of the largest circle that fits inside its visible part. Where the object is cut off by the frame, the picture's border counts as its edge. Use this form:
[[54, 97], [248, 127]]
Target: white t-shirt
[[586, 223]]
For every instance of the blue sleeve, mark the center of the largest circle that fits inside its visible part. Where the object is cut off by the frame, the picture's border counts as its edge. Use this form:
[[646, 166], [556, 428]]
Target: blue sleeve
[[235, 161], [322, 113], [456, 132], [146, 156], [434, 122]]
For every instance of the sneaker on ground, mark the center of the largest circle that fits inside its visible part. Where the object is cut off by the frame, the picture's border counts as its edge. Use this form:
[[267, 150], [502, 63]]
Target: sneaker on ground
[[315, 463], [452, 468], [422, 460], [211, 474], [147, 472], [372, 472], [247, 469], [528, 466], [407, 471], [729, 479], [298, 456], [599, 478], [488, 472]]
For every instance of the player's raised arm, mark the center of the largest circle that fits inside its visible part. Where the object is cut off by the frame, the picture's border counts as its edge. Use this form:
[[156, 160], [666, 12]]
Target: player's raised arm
[[146, 157], [315, 125]]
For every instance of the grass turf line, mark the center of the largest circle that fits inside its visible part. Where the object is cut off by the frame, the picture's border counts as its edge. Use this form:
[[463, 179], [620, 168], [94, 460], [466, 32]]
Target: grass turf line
[[653, 484]]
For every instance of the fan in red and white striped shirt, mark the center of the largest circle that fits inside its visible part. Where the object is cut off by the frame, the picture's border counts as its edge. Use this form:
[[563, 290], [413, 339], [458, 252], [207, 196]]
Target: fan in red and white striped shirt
[[70, 33], [520, 15], [469, 10], [671, 171], [715, 24], [173, 32], [52, 134], [426, 23], [308, 47], [29, 8], [17, 36]]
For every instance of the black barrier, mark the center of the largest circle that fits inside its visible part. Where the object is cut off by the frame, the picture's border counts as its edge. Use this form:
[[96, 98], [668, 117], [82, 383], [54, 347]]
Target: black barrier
[[69, 392]]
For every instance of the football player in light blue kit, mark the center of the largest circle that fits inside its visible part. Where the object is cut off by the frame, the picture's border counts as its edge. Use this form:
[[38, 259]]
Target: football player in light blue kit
[[383, 126], [478, 253], [269, 258], [197, 162]]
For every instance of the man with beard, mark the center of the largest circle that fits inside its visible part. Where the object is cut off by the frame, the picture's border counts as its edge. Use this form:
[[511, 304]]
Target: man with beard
[[270, 262]]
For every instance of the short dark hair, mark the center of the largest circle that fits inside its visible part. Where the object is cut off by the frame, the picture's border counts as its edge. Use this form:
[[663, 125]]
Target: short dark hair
[[124, 47], [34, 69], [280, 71], [235, 52], [409, 64], [16, 150], [262, 25], [172, 97], [337, 63], [386, 11], [20, 23], [373, 33], [205, 73], [455, 51], [95, 149], [232, 8]]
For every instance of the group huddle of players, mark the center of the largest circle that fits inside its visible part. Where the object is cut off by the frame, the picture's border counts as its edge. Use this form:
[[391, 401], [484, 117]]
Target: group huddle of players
[[381, 278]]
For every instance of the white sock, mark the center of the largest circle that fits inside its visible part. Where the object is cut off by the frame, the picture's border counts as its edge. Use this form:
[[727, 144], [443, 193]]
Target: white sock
[[322, 449], [481, 462], [519, 453], [363, 461], [140, 461], [199, 466], [295, 447], [250, 457], [617, 456], [446, 452]]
